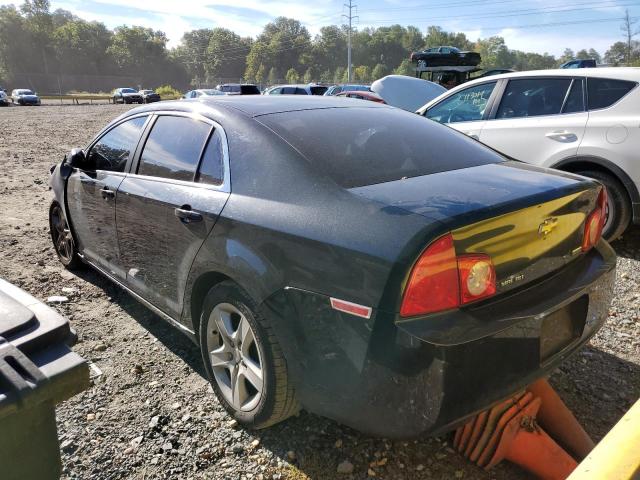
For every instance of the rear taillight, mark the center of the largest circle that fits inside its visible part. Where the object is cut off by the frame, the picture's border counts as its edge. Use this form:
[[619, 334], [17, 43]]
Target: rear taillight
[[441, 281], [477, 277], [595, 222]]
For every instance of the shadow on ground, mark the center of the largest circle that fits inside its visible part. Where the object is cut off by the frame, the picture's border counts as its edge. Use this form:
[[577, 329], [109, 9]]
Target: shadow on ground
[[628, 246]]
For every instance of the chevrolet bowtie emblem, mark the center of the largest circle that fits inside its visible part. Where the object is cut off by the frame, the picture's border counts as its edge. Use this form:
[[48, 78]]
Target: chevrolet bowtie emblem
[[546, 227]]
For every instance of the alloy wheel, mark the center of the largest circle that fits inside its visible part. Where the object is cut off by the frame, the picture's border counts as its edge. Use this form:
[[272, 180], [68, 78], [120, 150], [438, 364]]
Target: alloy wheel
[[235, 356], [61, 235]]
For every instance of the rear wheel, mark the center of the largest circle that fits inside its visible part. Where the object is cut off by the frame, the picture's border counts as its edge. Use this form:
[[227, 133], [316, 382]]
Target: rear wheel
[[62, 239], [243, 359], [618, 214]]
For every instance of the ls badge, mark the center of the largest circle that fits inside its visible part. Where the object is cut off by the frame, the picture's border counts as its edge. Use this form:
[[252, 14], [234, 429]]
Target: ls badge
[[546, 227]]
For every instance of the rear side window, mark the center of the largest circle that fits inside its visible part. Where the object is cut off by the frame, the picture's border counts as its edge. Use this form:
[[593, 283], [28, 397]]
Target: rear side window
[[212, 166], [112, 151], [173, 148], [360, 146], [318, 90], [249, 90], [604, 92], [533, 97]]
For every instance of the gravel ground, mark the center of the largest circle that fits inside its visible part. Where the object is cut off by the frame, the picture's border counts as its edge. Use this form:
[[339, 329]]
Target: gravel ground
[[151, 414]]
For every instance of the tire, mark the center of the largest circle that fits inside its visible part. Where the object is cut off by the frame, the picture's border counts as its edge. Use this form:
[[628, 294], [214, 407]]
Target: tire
[[619, 205], [227, 312], [65, 248]]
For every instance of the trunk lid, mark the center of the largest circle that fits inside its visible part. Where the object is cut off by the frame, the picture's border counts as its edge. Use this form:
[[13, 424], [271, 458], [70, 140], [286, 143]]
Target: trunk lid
[[529, 220]]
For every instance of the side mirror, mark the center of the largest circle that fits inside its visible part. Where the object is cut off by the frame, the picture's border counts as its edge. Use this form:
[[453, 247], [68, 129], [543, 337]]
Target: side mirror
[[76, 158]]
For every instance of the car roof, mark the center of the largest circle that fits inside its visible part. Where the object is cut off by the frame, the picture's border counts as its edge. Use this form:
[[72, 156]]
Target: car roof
[[617, 73], [257, 105]]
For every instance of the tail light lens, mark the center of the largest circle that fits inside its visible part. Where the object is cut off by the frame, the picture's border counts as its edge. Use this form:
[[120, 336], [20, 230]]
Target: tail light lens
[[477, 277], [595, 222], [441, 281], [433, 284]]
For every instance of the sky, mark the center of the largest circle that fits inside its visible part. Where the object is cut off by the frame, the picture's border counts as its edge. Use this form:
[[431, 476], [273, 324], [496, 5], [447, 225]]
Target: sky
[[530, 25]]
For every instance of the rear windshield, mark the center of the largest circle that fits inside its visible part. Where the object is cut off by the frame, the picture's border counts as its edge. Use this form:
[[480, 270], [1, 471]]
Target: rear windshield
[[365, 146], [249, 90]]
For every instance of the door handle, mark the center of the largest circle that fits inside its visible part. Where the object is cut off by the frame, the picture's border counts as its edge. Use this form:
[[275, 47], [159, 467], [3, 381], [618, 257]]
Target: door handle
[[186, 215], [107, 193], [562, 136]]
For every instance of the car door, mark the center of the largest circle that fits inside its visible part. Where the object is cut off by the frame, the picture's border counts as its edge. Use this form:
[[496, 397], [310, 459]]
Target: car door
[[538, 120], [92, 194], [466, 109], [170, 205]]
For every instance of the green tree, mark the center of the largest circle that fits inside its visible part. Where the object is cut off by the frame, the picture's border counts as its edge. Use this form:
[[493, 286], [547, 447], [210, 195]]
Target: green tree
[[379, 71], [274, 76], [566, 56], [494, 53], [292, 76], [362, 73], [81, 47], [405, 68], [226, 56], [616, 54]]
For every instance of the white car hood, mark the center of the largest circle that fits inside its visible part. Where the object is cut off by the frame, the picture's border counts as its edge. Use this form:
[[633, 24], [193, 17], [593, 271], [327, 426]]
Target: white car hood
[[404, 92]]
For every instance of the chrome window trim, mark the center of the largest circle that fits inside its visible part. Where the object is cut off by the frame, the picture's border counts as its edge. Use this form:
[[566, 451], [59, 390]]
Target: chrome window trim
[[225, 186]]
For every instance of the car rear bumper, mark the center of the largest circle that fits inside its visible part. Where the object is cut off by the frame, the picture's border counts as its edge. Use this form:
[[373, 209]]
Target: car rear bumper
[[411, 378]]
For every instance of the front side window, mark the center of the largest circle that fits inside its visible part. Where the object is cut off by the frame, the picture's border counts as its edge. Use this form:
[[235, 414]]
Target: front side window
[[212, 166], [112, 151], [300, 91], [604, 92], [173, 148], [464, 106], [531, 97], [275, 91]]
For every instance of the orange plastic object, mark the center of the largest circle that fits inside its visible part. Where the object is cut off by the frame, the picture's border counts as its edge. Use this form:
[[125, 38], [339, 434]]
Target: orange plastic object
[[559, 422], [509, 431]]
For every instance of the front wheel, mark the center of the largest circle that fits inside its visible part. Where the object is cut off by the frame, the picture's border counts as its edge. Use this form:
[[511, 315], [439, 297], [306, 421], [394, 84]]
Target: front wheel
[[618, 214], [243, 359], [62, 238]]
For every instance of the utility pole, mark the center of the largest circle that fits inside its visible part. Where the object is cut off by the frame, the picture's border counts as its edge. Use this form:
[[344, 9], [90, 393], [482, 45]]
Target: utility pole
[[349, 17]]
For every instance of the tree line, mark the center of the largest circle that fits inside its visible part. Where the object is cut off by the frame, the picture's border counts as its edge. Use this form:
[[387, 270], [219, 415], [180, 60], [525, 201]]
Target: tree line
[[38, 45]]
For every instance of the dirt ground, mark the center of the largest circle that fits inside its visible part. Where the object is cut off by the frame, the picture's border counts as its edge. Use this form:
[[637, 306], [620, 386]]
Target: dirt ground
[[152, 415]]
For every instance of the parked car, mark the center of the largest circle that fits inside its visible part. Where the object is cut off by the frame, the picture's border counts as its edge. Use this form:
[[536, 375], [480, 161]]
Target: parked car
[[149, 96], [584, 122], [336, 89], [370, 96], [407, 93], [4, 100], [203, 92], [310, 89], [346, 269], [239, 89], [445, 57], [24, 96], [584, 63], [127, 95]]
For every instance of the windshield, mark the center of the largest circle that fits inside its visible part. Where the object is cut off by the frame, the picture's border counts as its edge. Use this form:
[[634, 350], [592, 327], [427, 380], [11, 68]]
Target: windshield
[[364, 146], [211, 92], [25, 92], [128, 90], [146, 92]]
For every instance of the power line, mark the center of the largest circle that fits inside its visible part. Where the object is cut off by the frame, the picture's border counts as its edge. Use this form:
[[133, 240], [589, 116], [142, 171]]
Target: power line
[[350, 17]]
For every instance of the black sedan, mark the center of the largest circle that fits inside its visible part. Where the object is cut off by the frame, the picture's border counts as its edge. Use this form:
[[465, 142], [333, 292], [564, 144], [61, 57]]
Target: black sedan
[[126, 95], [445, 57], [347, 270], [149, 96]]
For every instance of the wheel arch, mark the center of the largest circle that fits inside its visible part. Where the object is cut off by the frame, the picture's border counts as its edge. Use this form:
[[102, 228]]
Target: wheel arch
[[580, 163]]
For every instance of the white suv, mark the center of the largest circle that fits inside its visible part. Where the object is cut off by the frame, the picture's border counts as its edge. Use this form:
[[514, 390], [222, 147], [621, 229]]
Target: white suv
[[584, 121]]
